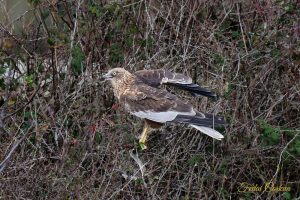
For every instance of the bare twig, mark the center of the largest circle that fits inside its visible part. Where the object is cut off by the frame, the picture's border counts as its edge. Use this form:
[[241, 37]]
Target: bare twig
[[73, 33], [15, 146], [280, 156], [241, 27]]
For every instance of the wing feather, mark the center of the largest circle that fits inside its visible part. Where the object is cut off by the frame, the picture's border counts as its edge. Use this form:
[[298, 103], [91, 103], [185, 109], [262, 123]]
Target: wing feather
[[158, 77], [154, 104]]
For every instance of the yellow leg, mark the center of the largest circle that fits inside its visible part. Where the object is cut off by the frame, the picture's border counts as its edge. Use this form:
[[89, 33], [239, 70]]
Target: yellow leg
[[143, 137]]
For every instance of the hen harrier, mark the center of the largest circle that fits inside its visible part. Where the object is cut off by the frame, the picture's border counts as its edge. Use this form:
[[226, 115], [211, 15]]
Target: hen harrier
[[140, 95]]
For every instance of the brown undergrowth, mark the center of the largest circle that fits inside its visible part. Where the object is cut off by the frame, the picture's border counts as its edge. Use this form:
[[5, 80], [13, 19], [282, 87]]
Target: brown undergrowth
[[64, 137]]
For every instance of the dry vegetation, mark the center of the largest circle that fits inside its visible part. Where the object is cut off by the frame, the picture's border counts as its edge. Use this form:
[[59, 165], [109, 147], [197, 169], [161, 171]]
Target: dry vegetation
[[63, 136]]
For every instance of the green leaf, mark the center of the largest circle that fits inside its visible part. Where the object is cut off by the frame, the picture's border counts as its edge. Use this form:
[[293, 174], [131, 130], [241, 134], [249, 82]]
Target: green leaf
[[116, 52], [139, 181], [128, 40], [235, 34], [28, 115], [218, 59], [118, 24], [276, 53], [270, 134], [77, 60], [225, 25], [2, 84], [287, 195], [142, 146], [289, 8], [45, 14], [133, 29], [195, 160], [297, 147], [229, 90], [51, 41], [2, 70], [275, 135], [29, 79], [96, 10], [98, 137]]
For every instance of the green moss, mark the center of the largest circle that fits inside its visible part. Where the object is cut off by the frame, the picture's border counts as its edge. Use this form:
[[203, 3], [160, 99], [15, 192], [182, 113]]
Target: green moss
[[219, 60], [270, 135], [195, 160], [98, 137], [116, 53]]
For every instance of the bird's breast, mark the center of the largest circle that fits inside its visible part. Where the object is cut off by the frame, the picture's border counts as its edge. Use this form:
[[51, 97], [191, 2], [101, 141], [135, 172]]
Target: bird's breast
[[120, 89]]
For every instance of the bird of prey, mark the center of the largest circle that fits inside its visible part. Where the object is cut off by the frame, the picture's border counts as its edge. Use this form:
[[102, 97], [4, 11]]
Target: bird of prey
[[141, 96]]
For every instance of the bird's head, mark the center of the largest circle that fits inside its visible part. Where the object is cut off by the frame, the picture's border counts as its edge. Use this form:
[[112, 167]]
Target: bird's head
[[116, 74]]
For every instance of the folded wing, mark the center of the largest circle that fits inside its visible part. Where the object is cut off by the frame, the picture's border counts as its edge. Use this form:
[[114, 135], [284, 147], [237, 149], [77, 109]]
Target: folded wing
[[155, 78], [154, 104]]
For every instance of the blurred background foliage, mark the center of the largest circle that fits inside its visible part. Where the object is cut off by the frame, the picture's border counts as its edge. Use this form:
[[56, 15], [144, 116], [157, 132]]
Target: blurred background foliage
[[64, 137]]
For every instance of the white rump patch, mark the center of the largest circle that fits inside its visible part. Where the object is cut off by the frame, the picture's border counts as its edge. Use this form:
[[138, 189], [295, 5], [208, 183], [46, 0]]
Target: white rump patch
[[161, 116], [209, 131]]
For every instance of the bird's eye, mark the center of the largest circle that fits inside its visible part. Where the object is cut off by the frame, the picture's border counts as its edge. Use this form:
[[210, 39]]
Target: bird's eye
[[114, 73]]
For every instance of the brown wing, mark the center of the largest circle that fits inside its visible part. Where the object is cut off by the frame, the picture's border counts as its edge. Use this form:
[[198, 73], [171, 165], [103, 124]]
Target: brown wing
[[157, 77], [154, 104]]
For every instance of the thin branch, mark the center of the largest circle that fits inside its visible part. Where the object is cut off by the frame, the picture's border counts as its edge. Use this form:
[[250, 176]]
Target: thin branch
[[280, 157], [241, 26], [13, 149], [72, 36]]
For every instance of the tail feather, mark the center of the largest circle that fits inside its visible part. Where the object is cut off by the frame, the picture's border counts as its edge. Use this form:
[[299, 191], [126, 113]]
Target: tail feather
[[203, 122], [195, 89], [201, 119], [209, 131]]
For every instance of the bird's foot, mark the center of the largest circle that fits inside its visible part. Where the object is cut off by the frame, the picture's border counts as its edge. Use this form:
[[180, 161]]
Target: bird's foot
[[143, 138]]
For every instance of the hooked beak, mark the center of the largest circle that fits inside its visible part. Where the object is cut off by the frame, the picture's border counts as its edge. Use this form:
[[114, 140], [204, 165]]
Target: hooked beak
[[107, 76]]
